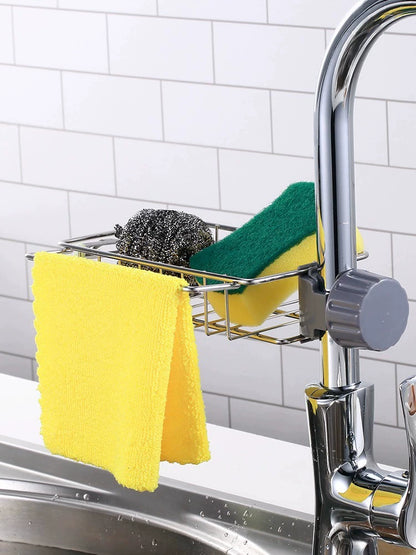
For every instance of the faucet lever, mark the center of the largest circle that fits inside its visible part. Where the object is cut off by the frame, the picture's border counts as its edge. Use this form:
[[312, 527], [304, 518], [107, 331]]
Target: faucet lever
[[408, 399]]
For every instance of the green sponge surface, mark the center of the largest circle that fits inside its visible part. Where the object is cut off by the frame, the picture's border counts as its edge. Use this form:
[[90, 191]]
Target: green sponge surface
[[248, 250]]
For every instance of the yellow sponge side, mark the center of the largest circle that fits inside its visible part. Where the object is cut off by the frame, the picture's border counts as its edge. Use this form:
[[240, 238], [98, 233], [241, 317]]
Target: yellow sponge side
[[257, 302]]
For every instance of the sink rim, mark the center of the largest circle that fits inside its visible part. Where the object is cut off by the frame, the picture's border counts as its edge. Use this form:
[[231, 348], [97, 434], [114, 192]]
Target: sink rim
[[30, 471]]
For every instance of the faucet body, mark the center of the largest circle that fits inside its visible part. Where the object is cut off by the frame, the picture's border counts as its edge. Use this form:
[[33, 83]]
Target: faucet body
[[356, 501]]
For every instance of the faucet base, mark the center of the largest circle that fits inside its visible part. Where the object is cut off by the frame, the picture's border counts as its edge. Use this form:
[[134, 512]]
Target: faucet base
[[356, 501]]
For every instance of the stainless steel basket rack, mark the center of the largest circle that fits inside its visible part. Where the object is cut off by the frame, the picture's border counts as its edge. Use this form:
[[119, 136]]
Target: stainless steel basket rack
[[280, 328]]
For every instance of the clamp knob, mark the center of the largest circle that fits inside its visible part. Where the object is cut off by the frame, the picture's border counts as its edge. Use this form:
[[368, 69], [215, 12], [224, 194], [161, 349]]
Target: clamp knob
[[366, 310]]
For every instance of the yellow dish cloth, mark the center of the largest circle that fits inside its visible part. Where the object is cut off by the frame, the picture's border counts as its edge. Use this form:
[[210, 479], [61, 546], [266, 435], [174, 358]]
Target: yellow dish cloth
[[118, 368]]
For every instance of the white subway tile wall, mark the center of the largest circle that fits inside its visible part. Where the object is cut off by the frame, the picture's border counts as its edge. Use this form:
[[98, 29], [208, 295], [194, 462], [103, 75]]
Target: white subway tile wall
[[110, 6], [163, 48], [66, 160], [188, 175], [114, 106], [30, 96], [229, 10], [58, 39], [107, 107]]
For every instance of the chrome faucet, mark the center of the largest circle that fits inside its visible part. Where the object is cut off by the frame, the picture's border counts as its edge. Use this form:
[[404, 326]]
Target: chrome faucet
[[357, 502]]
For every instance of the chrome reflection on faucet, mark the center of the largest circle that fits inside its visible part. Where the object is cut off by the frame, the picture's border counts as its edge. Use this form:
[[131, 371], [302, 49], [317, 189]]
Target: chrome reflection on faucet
[[356, 501]]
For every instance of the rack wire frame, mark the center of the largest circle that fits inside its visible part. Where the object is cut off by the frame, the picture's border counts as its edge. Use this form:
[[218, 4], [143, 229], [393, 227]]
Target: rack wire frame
[[280, 328]]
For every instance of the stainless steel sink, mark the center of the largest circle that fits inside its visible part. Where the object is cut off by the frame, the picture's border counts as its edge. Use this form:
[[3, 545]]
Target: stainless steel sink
[[50, 505]]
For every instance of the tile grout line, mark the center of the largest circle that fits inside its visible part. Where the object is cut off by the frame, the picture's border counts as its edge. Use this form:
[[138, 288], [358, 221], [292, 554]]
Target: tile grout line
[[14, 298], [219, 179], [281, 376], [15, 355], [173, 203], [230, 424], [177, 17], [34, 370], [392, 254], [213, 53], [69, 213], [19, 144], [61, 81], [388, 132], [13, 35], [187, 18], [27, 274], [167, 79], [106, 195], [24, 242], [248, 400], [199, 145], [271, 121], [191, 82], [396, 384], [162, 112], [267, 12], [182, 143], [114, 166], [157, 7], [387, 231], [107, 43]]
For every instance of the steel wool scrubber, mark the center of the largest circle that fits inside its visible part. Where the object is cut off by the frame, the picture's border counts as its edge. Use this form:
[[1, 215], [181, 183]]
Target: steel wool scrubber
[[165, 236]]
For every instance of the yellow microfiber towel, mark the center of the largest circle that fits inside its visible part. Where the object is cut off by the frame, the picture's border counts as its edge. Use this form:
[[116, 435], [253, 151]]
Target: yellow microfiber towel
[[118, 369]]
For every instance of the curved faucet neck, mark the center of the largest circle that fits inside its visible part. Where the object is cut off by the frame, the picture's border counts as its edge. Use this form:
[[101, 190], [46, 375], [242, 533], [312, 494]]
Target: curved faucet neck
[[334, 158]]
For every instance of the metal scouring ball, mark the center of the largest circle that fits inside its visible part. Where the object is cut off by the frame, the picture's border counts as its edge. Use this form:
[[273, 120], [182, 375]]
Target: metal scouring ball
[[166, 236]]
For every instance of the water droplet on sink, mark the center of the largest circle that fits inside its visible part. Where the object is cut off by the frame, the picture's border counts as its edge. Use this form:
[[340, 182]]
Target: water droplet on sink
[[245, 522], [228, 513], [225, 534], [154, 542], [78, 495], [29, 523], [86, 497], [55, 497], [219, 517], [119, 517], [202, 513], [245, 513], [293, 523], [279, 529], [245, 542]]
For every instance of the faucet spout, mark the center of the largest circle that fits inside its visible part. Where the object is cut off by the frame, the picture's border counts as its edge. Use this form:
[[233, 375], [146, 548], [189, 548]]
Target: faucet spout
[[357, 502], [335, 194]]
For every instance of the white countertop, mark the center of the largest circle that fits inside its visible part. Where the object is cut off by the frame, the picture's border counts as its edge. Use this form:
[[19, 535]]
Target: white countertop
[[251, 466]]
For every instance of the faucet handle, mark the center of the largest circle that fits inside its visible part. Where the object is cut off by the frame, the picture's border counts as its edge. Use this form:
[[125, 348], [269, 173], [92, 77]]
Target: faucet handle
[[366, 310], [408, 399]]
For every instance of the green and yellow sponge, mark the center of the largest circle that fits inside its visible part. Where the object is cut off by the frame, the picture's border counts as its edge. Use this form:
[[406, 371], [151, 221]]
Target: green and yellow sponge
[[278, 239]]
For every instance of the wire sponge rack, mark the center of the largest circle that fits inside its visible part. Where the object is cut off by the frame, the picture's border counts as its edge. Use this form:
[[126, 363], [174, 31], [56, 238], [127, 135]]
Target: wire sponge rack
[[280, 328]]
